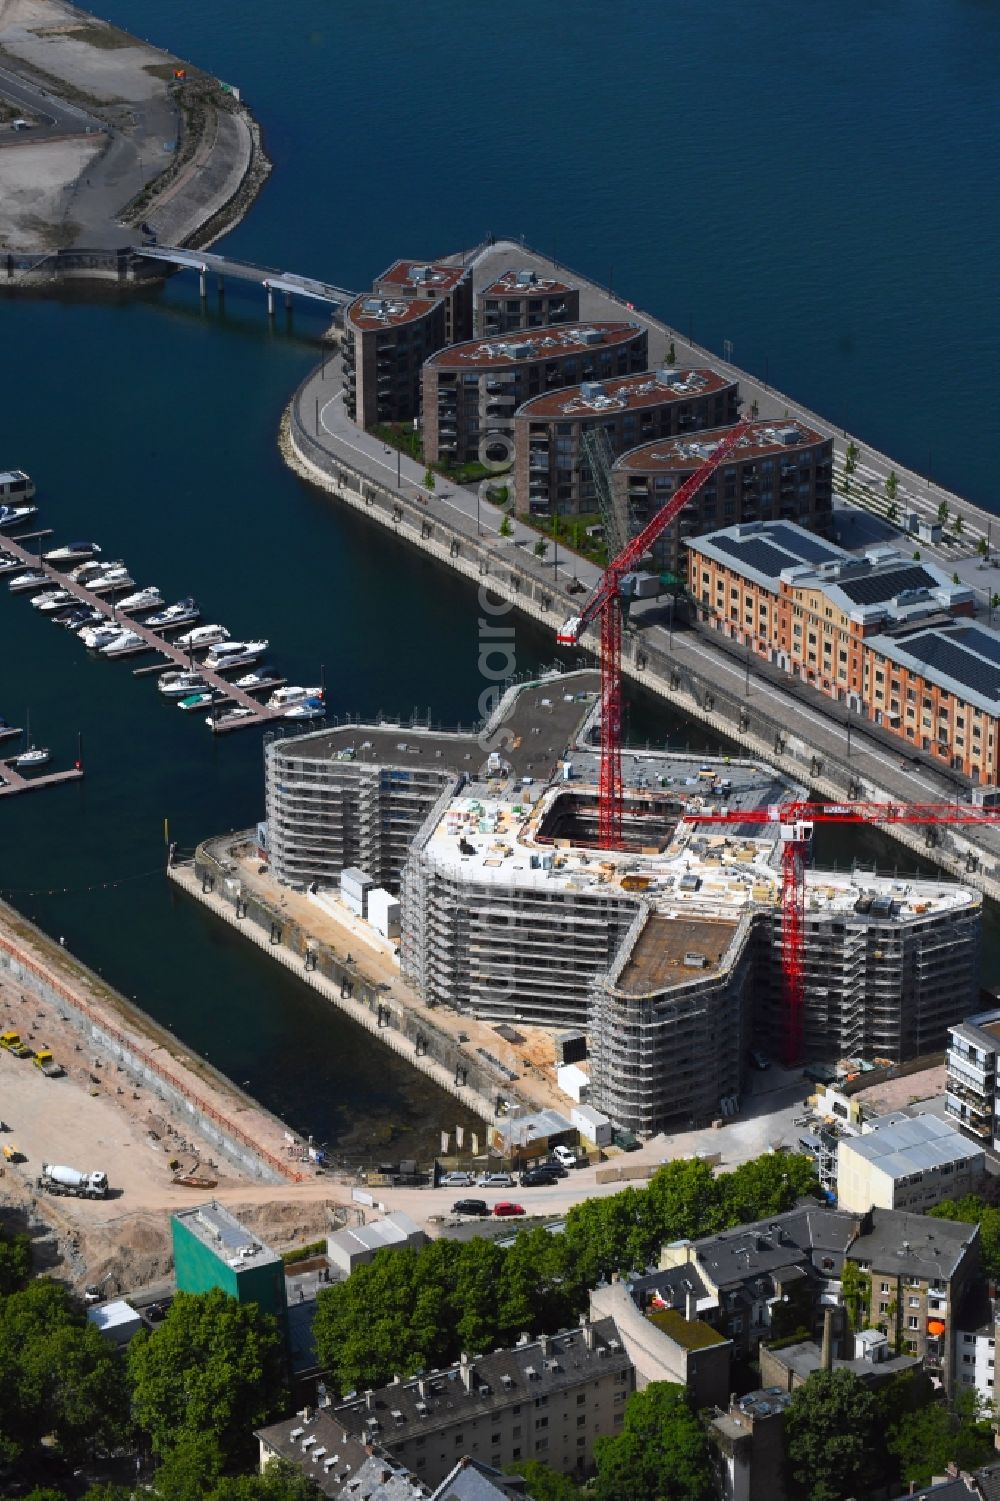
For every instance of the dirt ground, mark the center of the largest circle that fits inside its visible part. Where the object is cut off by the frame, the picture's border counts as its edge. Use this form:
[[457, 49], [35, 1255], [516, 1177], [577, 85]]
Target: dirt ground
[[34, 178], [85, 53], [894, 1094]]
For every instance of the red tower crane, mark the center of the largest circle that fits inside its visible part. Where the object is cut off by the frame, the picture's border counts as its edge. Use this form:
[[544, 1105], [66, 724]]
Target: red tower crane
[[606, 602], [796, 822]]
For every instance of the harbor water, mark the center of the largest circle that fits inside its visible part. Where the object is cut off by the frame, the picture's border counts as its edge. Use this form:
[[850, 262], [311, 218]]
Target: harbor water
[[800, 186]]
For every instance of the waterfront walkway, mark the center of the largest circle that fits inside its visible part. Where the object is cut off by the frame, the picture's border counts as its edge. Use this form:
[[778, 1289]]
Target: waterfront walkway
[[864, 756]]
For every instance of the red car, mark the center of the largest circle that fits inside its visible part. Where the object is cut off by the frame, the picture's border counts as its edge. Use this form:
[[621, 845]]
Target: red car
[[505, 1209]]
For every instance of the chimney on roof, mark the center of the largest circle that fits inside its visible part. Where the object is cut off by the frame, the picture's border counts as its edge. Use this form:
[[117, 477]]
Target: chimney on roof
[[467, 1370], [690, 1306], [543, 1345], [370, 1401], [422, 1389], [588, 1331], [826, 1352], [306, 1414]]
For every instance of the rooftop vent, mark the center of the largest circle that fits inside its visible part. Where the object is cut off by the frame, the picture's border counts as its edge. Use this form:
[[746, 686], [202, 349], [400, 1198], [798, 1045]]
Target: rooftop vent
[[694, 960], [591, 336], [669, 378], [525, 278], [590, 390]]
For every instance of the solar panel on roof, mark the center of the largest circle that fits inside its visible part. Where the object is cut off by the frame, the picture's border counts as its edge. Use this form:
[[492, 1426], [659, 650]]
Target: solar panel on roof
[[944, 654], [755, 553], [982, 642], [870, 589], [810, 549]]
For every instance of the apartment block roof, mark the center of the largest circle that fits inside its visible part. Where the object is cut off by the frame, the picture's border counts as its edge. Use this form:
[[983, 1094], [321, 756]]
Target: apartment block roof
[[471, 1480], [373, 311], [223, 1234], [340, 1463], [525, 283], [395, 1230], [764, 439], [981, 1030], [882, 585], [484, 1384], [418, 276], [962, 659], [651, 388], [511, 350], [911, 1144], [913, 1244]]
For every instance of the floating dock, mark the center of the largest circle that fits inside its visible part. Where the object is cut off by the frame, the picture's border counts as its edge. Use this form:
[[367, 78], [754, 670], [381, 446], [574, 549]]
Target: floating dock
[[152, 641], [11, 780]]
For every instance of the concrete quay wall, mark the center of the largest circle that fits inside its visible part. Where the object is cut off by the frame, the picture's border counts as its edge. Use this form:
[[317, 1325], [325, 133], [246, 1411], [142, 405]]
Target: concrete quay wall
[[758, 733], [148, 1054], [412, 1035]]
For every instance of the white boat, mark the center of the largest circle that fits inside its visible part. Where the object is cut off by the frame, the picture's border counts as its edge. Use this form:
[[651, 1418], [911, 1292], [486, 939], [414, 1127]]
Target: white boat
[[96, 636], [35, 755], [204, 700], [125, 641], [284, 698], [7, 562], [179, 684], [143, 599], [251, 681], [58, 600], [202, 637], [107, 583], [85, 571], [14, 515], [77, 619], [33, 579], [174, 615], [229, 654], [73, 552], [216, 725], [309, 708], [15, 484]]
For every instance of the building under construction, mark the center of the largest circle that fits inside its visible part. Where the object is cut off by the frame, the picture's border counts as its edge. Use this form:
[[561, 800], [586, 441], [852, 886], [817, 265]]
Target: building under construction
[[668, 952]]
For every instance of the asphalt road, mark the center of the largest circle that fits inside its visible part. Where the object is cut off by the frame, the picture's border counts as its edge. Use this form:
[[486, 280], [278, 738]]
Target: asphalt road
[[59, 118]]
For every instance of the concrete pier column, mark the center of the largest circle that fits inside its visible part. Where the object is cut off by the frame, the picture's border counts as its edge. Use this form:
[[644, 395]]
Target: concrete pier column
[[288, 301], [222, 285], [270, 301], [202, 285]]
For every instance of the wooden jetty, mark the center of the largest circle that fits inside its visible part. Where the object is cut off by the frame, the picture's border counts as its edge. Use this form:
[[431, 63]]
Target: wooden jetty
[[11, 780], [152, 641]]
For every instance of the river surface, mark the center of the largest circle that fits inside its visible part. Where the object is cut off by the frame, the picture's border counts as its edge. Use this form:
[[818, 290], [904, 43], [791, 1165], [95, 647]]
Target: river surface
[[816, 187]]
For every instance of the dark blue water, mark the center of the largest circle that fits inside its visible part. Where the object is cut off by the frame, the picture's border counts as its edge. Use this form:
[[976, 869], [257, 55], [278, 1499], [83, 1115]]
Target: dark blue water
[[814, 186]]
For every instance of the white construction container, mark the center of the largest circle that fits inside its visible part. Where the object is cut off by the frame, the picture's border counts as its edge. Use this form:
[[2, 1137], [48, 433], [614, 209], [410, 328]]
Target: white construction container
[[117, 1321], [354, 888], [592, 1125], [573, 1082], [384, 912]]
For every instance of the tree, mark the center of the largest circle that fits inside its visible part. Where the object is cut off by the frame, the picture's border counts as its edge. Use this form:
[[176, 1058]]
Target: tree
[[506, 527], [851, 457], [662, 1451], [15, 1262], [671, 354], [994, 601], [214, 1366], [925, 1442], [959, 523], [280, 1481], [429, 480], [541, 548], [891, 485], [892, 511], [916, 555], [190, 1470], [955, 579], [856, 1288], [57, 1376], [943, 513], [973, 1210], [983, 548], [766, 1186], [830, 1436], [544, 1483]]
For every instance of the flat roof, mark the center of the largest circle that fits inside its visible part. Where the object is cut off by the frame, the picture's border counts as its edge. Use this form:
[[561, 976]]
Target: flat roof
[[666, 944], [551, 343], [374, 311], [881, 583], [962, 659], [983, 1030], [763, 439], [912, 1145], [691, 1334], [652, 388], [414, 275], [223, 1234], [511, 282]]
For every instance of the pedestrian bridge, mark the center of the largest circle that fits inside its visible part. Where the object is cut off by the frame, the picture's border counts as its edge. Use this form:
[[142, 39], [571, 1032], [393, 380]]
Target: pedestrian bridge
[[272, 281]]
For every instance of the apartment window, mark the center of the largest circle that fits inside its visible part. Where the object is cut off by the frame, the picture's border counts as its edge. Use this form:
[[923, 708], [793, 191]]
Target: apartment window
[[541, 1423], [581, 1398], [541, 1443], [883, 1308], [494, 1438], [459, 1439], [913, 1322], [914, 1302], [581, 1421], [581, 1443]]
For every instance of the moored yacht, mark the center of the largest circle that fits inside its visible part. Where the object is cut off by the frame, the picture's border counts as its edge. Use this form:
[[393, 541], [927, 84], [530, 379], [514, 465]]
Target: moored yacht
[[263, 676], [96, 636], [179, 684], [33, 579], [74, 618], [84, 571], [125, 641], [309, 708], [227, 654], [285, 698], [14, 515], [143, 599], [47, 595], [200, 700], [202, 637], [73, 552], [175, 615], [35, 755], [107, 583]]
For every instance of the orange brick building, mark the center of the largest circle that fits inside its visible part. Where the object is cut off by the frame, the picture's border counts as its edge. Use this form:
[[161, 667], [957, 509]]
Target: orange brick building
[[888, 636]]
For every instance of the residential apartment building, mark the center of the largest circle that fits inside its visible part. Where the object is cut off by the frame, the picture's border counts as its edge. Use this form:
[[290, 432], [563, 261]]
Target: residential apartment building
[[547, 1399], [885, 634], [656, 1316], [471, 390], [412, 311], [916, 1273], [971, 1098], [906, 1162], [778, 470], [523, 299], [354, 797], [551, 472], [976, 1342]]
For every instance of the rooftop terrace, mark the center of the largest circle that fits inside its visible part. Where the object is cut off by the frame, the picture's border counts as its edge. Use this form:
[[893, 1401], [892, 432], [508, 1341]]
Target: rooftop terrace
[[631, 393], [544, 344], [683, 455]]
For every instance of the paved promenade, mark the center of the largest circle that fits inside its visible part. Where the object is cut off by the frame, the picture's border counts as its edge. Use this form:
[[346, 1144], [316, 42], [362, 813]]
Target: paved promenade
[[867, 758]]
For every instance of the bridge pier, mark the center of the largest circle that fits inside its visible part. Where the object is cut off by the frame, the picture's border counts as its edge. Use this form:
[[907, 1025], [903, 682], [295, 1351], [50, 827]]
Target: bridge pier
[[222, 285], [202, 286], [288, 302], [270, 302]]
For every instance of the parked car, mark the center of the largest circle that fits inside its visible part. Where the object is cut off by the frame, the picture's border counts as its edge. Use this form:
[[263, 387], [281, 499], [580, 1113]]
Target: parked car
[[538, 1177], [495, 1180], [457, 1180], [504, 1210], [470, 1206], [565, 1156], [555, 1167]]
